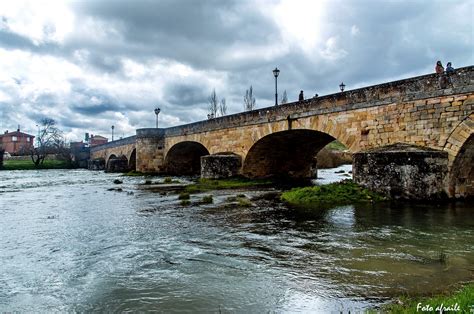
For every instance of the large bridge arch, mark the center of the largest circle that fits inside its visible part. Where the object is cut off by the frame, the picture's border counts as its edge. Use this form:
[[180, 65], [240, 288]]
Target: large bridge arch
[[460, 147], [285, 153], [184, 158]]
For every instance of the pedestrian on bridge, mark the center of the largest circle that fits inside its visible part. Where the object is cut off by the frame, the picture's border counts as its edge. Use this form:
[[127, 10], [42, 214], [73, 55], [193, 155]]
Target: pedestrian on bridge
[[449, 68], [301, 96], [439, 68]]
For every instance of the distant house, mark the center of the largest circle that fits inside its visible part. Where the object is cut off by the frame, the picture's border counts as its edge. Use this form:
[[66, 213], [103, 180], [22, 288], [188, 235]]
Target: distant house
[[97, 140], [16, 142]]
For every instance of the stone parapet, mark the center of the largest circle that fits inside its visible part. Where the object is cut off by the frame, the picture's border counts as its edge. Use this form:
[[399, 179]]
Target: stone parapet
[[113, 144]]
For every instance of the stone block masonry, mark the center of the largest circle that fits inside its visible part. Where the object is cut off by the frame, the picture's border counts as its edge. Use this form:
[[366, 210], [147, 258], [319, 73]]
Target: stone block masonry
[[402, 171]]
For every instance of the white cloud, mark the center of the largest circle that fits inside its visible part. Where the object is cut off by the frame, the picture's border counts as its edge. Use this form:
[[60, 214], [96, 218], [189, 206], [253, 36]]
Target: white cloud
[[332, 51], [355, 30], [41, 21]]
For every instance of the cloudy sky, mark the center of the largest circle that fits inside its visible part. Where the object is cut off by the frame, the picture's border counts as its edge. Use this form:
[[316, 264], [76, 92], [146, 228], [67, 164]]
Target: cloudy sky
[[93, 64]]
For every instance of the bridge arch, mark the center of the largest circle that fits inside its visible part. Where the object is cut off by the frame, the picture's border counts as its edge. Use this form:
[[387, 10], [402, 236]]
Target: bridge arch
[[460, 147], [184, 158], [108, 159], [132, 160], [285, 153], [116, 163], [461, 179]]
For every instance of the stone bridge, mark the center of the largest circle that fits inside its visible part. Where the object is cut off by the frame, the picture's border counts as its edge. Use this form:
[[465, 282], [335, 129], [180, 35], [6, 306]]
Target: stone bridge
[[119, 155], [404, 119]]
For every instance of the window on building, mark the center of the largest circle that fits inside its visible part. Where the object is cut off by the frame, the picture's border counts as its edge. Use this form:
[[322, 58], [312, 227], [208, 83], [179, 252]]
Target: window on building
[[14, 139], [28, 139]]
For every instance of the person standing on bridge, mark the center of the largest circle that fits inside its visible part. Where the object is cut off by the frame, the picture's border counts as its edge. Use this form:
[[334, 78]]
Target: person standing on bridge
[[439, 68], [301, 96], [449, 68], [442, 78]]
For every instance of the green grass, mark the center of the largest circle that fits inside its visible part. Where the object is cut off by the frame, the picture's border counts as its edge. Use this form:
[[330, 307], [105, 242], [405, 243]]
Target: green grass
[[233, 183], [341, 193], [336, 145], [464, 298], [29, 165]]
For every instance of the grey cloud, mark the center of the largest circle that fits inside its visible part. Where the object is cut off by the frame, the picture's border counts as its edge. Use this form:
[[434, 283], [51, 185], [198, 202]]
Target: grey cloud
[[185, 95], [395, 39]]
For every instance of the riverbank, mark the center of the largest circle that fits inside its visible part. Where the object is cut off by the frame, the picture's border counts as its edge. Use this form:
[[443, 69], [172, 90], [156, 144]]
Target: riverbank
[[461, 301], [29, 165]]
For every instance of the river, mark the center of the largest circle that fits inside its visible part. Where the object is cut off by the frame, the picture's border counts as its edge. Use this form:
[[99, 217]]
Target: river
[[68, 243]]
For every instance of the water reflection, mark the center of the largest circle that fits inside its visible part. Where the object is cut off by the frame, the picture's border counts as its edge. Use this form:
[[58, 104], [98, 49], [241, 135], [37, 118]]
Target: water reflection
[[69, 244]]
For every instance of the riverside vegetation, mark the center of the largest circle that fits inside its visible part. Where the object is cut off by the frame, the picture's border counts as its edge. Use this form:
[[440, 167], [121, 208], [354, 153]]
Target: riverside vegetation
[[460, 301], [340, 193], [11, 164]]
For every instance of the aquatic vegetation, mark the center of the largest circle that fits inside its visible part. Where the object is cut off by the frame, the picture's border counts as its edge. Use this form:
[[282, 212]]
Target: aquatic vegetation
[[207, 199], [340, 193], [185, 202], [240, 200], [184, 196]]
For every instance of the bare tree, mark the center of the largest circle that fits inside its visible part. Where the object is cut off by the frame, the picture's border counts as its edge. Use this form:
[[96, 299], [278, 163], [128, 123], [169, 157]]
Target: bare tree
[[249, 100], [49, 139], [213, 104], [284, 98], [223, 107]]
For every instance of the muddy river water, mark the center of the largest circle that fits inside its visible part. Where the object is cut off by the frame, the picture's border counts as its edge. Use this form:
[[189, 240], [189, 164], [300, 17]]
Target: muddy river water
[[68, 243]]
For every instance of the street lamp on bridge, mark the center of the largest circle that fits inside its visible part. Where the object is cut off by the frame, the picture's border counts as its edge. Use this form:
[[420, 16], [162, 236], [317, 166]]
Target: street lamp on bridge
[[275, 74], [157, 112], [342, 86]]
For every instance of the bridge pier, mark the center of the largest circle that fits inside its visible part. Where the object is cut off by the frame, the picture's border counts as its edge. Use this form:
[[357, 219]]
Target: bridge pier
[[220, 166], [150, 145], [403, 171]]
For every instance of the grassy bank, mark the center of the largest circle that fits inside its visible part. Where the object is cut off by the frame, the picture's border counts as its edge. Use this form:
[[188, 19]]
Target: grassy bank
[[340, 193], [461, 301], [29, 165], [232, 183]]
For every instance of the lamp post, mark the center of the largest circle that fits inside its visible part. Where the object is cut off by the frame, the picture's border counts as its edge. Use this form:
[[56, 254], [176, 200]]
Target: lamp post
[[157, 112], [38, 138], [275, 74], [113, 127], [341, 86]]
